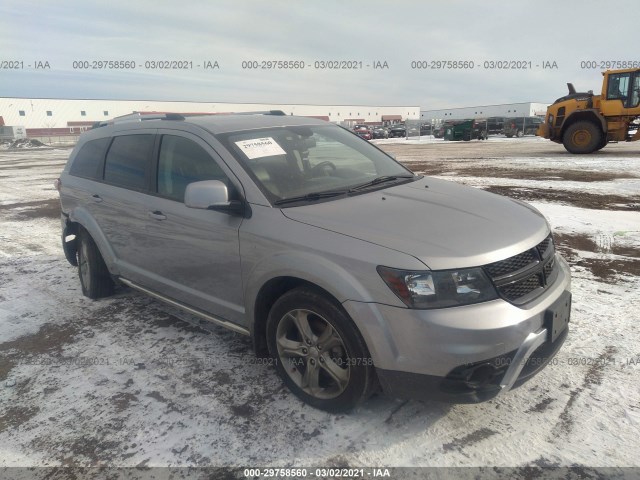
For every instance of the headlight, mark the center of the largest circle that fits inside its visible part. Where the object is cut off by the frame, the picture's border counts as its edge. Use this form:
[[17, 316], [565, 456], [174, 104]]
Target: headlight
[[439, 289], [550, 121]]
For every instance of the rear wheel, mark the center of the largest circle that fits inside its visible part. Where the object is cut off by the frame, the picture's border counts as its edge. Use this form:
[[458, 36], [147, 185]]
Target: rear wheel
[[94, 276], [320, 355], [582, 137]]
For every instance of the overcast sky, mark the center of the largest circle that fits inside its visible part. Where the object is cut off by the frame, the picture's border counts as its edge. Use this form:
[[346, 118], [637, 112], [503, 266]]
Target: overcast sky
[[396, 31]]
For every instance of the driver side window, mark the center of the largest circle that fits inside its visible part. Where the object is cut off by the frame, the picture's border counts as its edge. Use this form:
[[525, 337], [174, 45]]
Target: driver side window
[[181, 162]]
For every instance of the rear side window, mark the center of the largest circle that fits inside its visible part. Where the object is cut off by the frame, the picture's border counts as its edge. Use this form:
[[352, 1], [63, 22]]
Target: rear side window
[[88, 161], [127, 163], [181, 162]]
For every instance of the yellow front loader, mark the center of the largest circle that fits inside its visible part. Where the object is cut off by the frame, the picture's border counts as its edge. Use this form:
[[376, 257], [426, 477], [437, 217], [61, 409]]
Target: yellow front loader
[[584, 122]]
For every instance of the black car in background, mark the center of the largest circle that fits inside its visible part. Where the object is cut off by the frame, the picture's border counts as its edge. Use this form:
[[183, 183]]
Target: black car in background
[[492, 125], [426, 129], [397, 130], [521, 126]]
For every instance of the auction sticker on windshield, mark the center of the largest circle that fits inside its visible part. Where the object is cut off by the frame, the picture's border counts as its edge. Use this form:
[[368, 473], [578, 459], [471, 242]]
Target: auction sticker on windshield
[[260, 147]]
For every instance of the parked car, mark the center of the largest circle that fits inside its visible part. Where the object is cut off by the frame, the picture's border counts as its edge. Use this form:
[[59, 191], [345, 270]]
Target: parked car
[[439, 131], [495, 125], [521, 126], [344, 268], [479, 130], [363, 131], [397, 130], [380, 132], [425, 129]]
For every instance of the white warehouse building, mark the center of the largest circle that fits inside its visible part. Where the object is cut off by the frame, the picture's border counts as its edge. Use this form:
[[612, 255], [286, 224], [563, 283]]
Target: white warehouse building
[[44, 117], [526, 109]]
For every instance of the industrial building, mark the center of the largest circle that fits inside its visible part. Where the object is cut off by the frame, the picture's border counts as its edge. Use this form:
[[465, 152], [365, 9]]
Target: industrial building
[[64, 119], [526, 109]]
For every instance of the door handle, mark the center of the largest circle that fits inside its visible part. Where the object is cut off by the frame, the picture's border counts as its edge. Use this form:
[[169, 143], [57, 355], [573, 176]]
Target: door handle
[[96, 198], [157, 215]]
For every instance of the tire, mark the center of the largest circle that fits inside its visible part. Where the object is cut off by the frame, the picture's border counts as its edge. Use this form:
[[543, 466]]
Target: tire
[[582, 137], [318, 351], [508, 136], [94, 276], [603, 143]]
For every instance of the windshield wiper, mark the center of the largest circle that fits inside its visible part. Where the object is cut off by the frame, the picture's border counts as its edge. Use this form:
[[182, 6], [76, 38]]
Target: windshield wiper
[[376, 181], [310, 197]]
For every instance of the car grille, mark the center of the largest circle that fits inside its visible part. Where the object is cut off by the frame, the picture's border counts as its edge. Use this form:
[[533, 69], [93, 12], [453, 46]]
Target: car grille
[[523, 277]]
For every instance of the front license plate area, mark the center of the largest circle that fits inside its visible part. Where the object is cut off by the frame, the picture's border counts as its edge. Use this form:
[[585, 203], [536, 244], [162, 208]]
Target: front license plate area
[[557, 317]]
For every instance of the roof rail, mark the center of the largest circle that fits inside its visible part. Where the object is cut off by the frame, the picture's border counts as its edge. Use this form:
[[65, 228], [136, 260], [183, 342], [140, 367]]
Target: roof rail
[[139, 117], [264, 112]]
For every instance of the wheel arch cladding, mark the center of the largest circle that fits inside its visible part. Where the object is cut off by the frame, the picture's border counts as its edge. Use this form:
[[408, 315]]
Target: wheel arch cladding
[[84, 220], [270, 292]]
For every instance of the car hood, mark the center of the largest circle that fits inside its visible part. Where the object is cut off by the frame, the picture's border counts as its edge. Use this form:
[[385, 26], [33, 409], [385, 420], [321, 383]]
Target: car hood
[[443, 224]]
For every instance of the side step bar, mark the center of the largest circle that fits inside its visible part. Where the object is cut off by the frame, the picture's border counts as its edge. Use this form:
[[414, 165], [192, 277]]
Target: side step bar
[[197, 313]]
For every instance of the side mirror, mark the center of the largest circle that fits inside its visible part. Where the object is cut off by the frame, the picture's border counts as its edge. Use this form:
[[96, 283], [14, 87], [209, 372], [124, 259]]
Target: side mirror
[[211, 195]]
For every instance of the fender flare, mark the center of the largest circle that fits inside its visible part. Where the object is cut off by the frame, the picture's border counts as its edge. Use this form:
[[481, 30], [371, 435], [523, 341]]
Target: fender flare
[[586, 114], [82, 217]]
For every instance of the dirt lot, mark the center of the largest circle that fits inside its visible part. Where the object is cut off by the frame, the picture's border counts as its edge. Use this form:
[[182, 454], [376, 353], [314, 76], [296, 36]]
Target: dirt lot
[[123, 381]]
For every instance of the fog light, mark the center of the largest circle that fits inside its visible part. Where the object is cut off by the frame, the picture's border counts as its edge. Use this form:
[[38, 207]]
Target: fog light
[[479, 376]]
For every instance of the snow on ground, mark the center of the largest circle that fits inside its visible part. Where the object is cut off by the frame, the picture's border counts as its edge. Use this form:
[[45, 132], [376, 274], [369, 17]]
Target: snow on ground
[[619, 186], [124, 381], [426, 139]]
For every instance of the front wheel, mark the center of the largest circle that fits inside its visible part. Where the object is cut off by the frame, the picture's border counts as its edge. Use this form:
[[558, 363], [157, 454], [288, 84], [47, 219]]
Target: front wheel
[[603, 143], [582, 137], [319, 353]]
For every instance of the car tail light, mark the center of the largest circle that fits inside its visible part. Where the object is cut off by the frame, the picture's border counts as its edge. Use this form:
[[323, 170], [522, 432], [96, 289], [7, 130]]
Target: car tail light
[[57, 184]]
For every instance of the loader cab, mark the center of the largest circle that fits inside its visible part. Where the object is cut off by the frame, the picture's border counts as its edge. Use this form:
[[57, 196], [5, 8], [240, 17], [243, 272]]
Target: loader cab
[[621, 93]]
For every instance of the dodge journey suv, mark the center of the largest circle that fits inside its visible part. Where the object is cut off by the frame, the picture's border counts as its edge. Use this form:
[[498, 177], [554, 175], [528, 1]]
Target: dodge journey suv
[[346, 269]]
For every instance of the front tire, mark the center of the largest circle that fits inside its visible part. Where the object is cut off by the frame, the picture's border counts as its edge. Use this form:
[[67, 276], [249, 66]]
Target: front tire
[[582, 137], [320, 355], [94, 276], [603, 143]]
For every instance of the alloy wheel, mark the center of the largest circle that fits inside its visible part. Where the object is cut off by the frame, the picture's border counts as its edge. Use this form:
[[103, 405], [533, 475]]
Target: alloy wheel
[[313, 354]]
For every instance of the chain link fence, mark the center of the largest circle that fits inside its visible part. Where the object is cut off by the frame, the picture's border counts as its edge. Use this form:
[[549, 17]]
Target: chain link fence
[[458, 129]]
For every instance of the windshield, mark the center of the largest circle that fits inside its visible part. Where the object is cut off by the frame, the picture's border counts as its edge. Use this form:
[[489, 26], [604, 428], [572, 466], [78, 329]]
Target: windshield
[[288, 162]]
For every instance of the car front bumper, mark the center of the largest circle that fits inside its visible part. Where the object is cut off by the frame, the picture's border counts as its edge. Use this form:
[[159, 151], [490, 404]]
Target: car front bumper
[[464, 354]]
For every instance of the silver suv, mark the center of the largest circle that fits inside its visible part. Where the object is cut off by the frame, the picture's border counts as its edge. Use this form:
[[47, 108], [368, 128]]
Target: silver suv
[[347, 270]]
